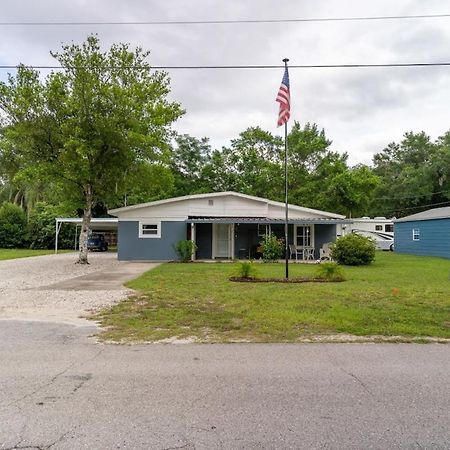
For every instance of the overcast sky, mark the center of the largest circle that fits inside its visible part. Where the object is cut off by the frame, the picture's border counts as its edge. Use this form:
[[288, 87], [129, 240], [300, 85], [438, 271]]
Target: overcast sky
[[362, 110]]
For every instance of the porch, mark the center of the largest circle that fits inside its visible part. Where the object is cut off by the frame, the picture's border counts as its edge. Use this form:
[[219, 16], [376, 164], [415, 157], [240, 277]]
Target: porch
[[239, 238]]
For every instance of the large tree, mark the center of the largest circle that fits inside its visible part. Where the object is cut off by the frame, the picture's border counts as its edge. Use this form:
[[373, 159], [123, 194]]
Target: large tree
[[88, 124], [415, 174]]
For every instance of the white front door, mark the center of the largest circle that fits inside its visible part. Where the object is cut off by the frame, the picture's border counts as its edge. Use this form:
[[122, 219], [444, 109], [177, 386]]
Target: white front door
[[222, 233]]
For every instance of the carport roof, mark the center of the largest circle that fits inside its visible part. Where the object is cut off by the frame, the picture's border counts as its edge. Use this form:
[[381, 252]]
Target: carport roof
[[99, 223], [264, 220]]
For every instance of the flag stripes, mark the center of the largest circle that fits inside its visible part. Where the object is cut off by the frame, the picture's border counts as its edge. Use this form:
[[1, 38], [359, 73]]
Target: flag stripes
[[284, 99]]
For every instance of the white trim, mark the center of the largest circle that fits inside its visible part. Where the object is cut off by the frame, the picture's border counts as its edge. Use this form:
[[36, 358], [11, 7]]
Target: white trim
[[151, 236], [416, 234], [312, 228], [230, 230], [232, 238], [154, 219], [94, 220], [221, 194]]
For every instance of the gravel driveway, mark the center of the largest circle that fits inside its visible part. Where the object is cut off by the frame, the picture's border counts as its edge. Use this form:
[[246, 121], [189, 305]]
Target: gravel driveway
[[46, 288]]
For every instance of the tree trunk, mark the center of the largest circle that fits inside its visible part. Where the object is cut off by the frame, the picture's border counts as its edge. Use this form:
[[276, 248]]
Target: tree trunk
[[85, 226]]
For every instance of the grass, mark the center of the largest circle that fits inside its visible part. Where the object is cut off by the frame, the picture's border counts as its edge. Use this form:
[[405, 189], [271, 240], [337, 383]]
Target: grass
[[14, 253], [397, 295]]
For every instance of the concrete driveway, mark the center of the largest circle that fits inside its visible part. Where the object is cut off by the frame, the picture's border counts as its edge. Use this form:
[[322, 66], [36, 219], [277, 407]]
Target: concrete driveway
[[54, 288]]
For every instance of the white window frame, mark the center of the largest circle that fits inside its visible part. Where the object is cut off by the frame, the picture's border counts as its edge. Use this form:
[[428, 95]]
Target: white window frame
[[416, 234], [263, 229], [311, 227], [142, 235]]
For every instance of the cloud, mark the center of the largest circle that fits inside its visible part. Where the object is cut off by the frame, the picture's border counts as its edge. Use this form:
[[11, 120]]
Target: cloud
[[361, 109]]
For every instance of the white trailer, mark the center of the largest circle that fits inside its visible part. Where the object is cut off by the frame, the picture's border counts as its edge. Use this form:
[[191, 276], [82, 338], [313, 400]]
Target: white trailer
[[380, 229]]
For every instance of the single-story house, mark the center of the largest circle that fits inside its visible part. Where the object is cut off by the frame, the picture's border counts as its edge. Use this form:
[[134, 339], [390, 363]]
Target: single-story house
[[425, 233], [223, 225]]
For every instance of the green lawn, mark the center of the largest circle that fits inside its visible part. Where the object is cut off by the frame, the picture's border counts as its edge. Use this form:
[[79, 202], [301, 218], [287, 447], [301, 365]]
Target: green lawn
[[398, 295], [13, 253]]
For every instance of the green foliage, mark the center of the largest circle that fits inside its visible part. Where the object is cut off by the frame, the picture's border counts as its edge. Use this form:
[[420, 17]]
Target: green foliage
[[89, 124], [146, 182], [414, 172], [185, 249], [330, 271], [41, 227], [272, 247], [246, 269], [353, 250], [189, 160], [13, 226]]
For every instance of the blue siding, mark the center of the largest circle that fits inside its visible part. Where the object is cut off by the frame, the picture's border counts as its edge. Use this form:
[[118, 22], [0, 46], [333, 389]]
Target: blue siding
[[132, 248], [323, 234], [434, 237]]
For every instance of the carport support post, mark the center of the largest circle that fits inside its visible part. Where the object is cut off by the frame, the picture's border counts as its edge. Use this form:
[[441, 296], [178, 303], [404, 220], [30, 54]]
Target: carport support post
[[76, 236], [58, 227]]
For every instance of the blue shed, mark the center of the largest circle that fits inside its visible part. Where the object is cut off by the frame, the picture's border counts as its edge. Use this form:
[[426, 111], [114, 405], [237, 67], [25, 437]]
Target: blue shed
[[426, 233]]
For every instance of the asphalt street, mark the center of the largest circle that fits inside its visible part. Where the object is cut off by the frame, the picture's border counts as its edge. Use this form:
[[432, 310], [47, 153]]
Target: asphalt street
[[60, 389]]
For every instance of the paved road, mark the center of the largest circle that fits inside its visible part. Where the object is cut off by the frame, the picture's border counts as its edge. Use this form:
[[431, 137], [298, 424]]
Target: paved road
[[61, 390]]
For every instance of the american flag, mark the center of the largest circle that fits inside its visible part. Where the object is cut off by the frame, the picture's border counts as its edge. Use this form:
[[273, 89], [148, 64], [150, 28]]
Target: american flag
[[284, 99]]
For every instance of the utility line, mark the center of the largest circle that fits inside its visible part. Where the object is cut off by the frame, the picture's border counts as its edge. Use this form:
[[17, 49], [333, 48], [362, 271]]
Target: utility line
[[299, 66], [230, 22], [411, 196], [415, 207]]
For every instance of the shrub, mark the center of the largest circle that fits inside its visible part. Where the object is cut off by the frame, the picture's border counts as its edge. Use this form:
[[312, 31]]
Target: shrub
[[41, 227], [13, 226], [353, 250], [185, 249], [330, 271], [246, 269], [272, 247]]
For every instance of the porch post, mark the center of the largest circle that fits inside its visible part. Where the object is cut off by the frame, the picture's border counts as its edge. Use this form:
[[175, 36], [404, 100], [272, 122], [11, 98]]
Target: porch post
[[193, 241]]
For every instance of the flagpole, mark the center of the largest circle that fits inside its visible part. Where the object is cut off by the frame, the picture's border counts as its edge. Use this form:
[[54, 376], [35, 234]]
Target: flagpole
[[286, 224]]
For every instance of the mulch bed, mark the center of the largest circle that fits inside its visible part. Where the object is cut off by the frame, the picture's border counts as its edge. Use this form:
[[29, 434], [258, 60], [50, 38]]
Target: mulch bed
[[283, 280]]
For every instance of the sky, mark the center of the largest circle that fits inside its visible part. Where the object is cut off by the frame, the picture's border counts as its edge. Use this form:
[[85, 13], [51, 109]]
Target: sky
[[362, 110]]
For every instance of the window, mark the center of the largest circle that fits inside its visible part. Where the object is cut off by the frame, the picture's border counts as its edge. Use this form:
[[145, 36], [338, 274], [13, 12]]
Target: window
[[389, 228], [149, 229], [378, 227], [304, 235], [263, 230], [416, 234], [211, 202]]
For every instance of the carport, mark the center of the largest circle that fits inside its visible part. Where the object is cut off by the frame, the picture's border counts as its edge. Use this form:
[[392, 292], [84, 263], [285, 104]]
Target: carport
[[100, 224]]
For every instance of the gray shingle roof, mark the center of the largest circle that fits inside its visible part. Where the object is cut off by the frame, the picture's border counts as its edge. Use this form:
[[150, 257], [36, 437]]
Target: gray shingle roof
[[435, 213]]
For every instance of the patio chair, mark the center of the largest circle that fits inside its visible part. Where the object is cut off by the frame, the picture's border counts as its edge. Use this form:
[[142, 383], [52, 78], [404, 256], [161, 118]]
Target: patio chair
[[296, 252], [325, 252]]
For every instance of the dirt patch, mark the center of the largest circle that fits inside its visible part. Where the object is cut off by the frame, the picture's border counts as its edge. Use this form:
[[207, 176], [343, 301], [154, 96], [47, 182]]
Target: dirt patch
[[284, 280]]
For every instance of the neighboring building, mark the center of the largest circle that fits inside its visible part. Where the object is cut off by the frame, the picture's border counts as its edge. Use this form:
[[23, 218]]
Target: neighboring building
[[425, 233], [224, 225]]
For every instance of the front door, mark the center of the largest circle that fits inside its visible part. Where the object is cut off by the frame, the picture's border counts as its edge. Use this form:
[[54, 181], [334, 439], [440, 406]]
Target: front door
[[222, 240]]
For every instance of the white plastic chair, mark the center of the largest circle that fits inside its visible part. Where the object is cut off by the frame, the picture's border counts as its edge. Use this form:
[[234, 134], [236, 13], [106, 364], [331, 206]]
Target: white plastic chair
[[325, 252]]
